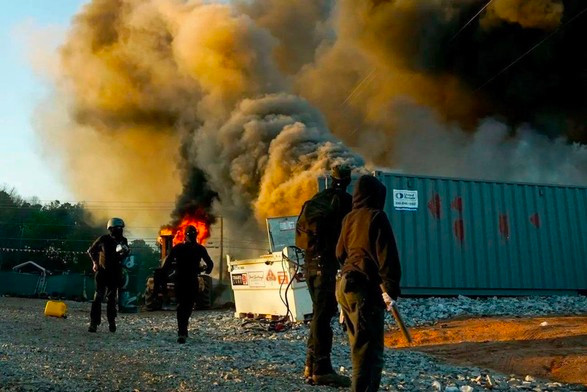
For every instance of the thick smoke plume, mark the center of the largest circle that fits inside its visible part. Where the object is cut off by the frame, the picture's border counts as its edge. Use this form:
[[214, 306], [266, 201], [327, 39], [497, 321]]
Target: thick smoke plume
[[237, 107]]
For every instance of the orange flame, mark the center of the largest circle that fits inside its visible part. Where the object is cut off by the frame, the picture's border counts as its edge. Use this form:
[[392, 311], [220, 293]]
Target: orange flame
[[202, 227]]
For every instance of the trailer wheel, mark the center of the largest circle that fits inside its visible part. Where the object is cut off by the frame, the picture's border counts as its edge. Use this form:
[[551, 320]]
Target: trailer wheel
[[204, 297]]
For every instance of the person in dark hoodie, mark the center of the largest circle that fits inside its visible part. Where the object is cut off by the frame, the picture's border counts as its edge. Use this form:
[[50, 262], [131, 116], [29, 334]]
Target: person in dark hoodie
[[186, 258], [367, 249]]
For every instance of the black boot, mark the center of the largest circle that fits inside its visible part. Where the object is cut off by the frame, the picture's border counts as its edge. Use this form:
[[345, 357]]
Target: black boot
[[332, 379]]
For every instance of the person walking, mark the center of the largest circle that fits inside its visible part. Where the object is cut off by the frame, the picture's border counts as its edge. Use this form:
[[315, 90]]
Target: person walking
[[186, 258]]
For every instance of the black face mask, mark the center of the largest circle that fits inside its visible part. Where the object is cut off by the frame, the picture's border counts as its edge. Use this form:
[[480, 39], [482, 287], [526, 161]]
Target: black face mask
[[191, 236], [116, 232]]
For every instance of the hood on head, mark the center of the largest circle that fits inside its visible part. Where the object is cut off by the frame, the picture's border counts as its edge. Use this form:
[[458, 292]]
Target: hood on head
[[369, 193]]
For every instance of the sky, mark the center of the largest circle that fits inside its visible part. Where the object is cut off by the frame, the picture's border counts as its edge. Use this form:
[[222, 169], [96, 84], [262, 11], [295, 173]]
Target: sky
[[22, 165]]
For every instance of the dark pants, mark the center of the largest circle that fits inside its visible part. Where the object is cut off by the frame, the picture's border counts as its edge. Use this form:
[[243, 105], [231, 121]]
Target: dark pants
[[322, 292], [363, 317], [107, 284], [186, 298]]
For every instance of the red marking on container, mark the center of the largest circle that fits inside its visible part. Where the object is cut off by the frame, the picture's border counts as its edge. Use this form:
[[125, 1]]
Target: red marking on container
[[270, 276], [457, 204], [282, 278], [535, 220], [504, 226], [434, 206], [459, 229]]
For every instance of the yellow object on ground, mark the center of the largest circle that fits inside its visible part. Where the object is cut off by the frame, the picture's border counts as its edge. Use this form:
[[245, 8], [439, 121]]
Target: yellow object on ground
[[56, 309]]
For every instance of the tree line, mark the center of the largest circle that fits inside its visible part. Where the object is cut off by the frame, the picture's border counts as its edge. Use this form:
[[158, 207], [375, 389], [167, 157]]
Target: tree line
[[54, 235]]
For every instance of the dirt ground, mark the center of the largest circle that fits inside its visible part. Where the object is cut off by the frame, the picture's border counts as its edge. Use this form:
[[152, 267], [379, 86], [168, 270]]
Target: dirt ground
[[552, 348]]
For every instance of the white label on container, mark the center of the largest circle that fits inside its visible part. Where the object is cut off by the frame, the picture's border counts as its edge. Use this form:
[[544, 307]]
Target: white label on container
[[405, 200], [288, 225], [257, 279]]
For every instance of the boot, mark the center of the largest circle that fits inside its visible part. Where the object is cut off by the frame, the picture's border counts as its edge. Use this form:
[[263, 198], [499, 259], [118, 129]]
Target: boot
[[112, 325], [308, 375], [93, 328], [331, 379], [181, 339]]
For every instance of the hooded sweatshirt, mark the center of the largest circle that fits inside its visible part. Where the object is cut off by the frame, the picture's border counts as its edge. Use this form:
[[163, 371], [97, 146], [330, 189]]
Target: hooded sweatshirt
[[366, 243]]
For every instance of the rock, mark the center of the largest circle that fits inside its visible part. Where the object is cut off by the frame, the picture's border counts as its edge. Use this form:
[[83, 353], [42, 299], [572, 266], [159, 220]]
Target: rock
[[466, 388], [437, 386]]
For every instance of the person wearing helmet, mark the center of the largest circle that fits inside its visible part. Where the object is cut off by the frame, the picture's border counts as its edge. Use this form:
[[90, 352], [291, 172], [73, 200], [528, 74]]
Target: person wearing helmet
[[187, 258], [107, 254], [322, 216]]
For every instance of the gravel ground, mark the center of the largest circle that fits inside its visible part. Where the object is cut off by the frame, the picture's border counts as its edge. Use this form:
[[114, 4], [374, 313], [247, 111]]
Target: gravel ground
[[48, 354]]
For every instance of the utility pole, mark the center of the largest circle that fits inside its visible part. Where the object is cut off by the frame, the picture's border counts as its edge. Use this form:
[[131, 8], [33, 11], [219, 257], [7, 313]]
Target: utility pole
[[221, 272]]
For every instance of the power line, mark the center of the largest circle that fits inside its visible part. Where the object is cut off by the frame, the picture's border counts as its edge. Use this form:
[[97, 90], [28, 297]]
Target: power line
[[358, 86], [560, 28], [122, 208], [96, 201], [470, 20]]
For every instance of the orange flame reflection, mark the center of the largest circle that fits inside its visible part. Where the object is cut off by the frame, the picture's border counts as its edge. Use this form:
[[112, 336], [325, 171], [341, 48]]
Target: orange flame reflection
[[202, 227]]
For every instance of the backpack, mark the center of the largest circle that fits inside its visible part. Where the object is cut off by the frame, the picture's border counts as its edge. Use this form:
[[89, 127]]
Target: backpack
[[316, 224]]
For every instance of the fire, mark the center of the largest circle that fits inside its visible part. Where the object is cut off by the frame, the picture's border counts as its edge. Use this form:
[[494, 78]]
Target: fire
[[202, 227]]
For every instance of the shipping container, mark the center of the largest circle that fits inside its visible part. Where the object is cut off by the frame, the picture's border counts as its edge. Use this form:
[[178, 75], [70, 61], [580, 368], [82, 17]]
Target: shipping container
[[458, 236]]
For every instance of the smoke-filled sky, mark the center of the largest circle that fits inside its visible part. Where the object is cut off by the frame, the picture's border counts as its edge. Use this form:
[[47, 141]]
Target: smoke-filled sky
[[235, 108]]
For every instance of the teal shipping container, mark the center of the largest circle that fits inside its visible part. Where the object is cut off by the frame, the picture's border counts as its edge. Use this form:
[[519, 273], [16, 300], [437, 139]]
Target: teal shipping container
[[469, 237]]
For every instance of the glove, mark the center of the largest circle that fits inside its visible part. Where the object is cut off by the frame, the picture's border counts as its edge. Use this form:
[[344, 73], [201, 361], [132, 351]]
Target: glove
[[122, 249], [389, 302], [341, 317], [95, 267], [204, 267]]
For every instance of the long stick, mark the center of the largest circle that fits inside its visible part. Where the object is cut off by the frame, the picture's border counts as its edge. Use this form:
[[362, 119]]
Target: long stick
[[398, 319], [400, 323]]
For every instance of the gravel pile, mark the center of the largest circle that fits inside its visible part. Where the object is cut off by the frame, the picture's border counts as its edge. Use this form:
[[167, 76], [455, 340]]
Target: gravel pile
[[49, 354], [427, 311]]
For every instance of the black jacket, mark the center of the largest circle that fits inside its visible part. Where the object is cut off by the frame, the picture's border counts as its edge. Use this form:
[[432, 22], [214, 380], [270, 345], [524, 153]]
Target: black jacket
[[186, 258], [341, 203], [103, 252], [366, 243]]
